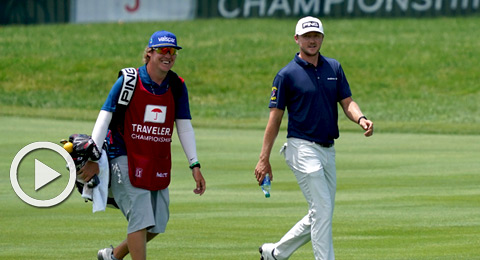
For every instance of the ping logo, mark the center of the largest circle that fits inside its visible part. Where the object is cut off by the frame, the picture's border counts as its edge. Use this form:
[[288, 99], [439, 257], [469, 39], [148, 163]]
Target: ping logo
[[310, 24], [155, 114], [129, 81]]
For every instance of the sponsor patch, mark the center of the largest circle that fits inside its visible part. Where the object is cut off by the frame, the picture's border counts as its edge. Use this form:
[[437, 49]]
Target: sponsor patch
[[138, 172], [273, 96], [162, 174], [155, 114]]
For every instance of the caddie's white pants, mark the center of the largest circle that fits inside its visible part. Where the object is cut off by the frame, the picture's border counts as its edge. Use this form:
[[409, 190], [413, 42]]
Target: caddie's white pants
[[314, 168]]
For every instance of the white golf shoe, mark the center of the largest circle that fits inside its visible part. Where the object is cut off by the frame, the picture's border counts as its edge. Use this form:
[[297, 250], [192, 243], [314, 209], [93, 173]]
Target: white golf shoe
[[105, 254], [266, 252]]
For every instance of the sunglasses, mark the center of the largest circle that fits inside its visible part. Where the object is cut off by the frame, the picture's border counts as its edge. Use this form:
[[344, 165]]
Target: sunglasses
[[166, 50]]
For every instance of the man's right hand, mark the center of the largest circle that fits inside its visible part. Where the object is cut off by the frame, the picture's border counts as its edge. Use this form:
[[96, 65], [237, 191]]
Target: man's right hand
[[263, 168]]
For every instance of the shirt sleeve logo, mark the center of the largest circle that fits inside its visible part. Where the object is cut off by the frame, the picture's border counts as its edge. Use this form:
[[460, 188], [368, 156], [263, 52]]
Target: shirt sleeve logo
[[273, 96], [155, 114]]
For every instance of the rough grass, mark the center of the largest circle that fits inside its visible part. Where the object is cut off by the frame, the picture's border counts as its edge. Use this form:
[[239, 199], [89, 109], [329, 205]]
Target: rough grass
[[408, 75]]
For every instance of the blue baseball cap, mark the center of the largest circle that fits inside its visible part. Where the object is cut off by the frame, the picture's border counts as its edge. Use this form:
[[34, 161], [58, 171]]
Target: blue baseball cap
[[163, 39]]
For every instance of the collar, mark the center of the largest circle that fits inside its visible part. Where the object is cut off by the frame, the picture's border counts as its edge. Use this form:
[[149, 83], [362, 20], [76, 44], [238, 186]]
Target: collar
[[304, 63], [146, 80]]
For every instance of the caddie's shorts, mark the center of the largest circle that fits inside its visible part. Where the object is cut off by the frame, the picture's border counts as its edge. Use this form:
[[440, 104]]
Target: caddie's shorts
[[142, 208]]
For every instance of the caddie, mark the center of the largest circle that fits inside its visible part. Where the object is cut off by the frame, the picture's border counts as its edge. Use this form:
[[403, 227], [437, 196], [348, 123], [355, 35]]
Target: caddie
[[139, 115]]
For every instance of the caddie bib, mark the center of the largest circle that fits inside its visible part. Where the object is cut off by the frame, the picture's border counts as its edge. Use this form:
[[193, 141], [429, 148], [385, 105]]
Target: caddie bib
[[148, 130]]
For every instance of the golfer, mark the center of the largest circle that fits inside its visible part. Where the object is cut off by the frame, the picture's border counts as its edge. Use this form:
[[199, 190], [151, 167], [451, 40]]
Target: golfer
[[139, 141], [309, 87]]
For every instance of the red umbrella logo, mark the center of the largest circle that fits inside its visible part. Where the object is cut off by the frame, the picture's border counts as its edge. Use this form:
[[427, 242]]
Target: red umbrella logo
[[156, 111]]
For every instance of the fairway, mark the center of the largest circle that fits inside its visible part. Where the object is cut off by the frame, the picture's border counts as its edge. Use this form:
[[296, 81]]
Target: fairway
[[399, 196]]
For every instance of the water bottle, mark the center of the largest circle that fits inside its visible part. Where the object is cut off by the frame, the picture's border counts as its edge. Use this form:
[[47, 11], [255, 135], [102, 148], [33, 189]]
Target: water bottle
[[266, 186]]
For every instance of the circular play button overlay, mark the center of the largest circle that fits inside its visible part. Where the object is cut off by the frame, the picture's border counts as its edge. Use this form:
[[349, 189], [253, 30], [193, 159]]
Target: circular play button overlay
[[44, 174]]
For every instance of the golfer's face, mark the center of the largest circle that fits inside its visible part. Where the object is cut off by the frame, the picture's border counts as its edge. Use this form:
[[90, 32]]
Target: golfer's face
[[163, 59], [310, 42]]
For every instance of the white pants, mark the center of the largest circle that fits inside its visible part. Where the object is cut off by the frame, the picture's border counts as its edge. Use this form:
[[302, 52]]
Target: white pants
[[314, 168]]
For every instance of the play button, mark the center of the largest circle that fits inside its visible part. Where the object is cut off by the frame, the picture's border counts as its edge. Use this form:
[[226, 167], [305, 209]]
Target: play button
[[44, 175]]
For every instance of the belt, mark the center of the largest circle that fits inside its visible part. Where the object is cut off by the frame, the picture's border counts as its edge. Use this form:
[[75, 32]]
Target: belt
[[325, 145]]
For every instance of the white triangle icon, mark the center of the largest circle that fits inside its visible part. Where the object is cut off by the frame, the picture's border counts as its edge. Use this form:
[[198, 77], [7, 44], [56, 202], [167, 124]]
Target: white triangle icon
[[44, 174]]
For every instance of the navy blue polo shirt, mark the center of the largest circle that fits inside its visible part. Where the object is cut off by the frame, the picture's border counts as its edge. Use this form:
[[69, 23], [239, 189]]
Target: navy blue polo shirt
[[310, 95], [116, 145]]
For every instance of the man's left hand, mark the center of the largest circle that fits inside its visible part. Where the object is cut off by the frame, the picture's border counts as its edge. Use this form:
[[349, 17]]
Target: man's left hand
[[199, 180], [367, 125]]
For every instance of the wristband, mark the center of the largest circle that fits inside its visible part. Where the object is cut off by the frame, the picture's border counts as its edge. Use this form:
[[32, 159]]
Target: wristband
[[360, 118], [195, 164]]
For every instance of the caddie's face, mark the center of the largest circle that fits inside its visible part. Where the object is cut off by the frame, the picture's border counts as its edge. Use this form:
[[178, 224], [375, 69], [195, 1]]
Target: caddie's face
[[309, 43], [162, 61]]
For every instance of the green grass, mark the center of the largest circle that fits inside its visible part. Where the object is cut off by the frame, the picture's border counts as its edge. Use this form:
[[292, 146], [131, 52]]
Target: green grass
[[408, 192], [408, 75], [400, 196]]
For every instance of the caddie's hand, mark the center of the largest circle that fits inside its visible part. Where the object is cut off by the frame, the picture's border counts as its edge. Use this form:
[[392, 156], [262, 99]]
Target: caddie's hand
[[367, 125], [263, 168], [88, 171], [199, 180]]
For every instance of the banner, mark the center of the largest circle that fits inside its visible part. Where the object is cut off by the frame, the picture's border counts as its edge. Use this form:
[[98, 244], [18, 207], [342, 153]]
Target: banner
[[34, 11], [334, 8], [86, 11]]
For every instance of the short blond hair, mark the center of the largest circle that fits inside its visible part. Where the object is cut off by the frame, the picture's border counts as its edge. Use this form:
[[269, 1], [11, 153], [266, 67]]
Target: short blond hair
[[146, 58]]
